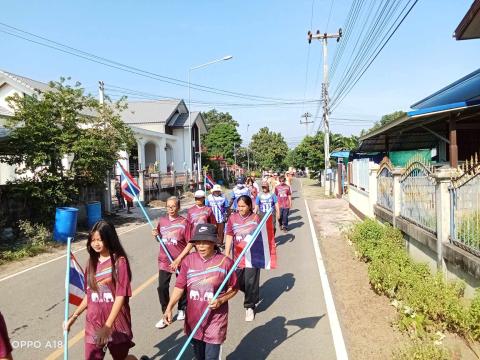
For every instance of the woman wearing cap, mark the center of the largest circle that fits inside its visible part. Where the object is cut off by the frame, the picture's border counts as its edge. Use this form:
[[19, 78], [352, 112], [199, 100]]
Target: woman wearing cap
[[239, 226], [201, 275], [219, 205], [173, 230], [199, 213]]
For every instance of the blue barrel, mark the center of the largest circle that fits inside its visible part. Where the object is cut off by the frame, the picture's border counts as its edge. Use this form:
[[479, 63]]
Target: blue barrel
[[94, 213], [65, 223]]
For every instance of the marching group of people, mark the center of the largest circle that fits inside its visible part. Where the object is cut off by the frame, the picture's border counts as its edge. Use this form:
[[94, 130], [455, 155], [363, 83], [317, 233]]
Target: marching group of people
[[214, 228]]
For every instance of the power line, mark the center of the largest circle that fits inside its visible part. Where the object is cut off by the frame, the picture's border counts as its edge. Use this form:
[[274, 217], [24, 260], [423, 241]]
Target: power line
[[126, 68], [376, 54]]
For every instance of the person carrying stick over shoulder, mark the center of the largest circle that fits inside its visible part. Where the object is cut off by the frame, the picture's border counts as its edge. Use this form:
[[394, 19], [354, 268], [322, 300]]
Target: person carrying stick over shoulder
[[201, 275], [174, 233]]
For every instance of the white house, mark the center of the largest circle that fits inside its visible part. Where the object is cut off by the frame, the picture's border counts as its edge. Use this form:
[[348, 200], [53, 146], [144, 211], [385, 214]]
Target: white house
[[161, 129]]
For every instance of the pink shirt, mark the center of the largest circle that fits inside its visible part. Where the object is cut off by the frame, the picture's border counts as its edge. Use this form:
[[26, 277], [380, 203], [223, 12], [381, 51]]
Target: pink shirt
[[283, 192], [5, 346], [239, 227], [175, 235], [200, 215], [100, 302], [201, 279]]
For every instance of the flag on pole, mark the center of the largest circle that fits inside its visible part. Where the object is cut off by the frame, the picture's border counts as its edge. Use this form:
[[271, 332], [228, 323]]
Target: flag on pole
[[129, 192], [77, 282], [209, 182], [263, 252]]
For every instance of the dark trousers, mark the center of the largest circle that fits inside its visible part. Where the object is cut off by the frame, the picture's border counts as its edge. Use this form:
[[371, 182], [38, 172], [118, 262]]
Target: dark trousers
[[164, 291], [283, 221], [206, 351], [249, 283]]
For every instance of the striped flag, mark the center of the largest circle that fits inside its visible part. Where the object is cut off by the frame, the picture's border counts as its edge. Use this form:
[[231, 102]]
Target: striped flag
[[209, 182], [77, 282], [263, 253], [125, 178]]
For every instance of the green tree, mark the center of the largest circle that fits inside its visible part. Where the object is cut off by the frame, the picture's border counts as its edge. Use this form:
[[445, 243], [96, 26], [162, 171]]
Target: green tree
[[386, 119], [220, 139], [59, 122], [213, 117], [269, 149]]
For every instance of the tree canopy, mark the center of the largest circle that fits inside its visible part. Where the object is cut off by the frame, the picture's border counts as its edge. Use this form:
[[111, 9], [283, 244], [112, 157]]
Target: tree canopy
[[221, 136], [63, 122], [384, 120], [269, 149]]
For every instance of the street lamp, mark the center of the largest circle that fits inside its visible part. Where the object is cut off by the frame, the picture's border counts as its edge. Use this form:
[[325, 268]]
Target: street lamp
[[228, 57]]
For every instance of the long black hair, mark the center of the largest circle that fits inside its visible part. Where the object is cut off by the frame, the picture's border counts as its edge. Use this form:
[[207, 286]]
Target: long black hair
[[247, 200], [110, 240]]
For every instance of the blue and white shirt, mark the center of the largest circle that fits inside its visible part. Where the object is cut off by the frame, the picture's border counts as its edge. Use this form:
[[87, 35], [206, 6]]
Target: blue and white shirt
[[219, 205], [237, 192], [266, 201]]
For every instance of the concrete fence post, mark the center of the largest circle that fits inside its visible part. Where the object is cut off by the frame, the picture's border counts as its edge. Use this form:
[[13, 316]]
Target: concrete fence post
[[397, 195], [372, 187], [141, 184], [442, 209]]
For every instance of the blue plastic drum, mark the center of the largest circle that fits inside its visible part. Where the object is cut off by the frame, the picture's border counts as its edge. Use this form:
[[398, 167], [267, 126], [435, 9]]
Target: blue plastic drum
[[94, 213], [65, 223]]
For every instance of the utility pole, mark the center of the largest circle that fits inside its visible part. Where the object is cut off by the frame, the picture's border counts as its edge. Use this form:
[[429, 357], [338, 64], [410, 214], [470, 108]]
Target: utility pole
[[235, 160], [101, 92], [326, 108], [306, 122]]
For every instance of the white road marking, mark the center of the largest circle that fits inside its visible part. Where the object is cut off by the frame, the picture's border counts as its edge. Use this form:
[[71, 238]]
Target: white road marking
[[338, 341], [60, 257]]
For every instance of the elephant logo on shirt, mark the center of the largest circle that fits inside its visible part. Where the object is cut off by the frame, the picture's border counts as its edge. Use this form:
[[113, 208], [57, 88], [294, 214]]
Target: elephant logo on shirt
[[95, 297], [108, 297], [194, 295], [173, 241], [208, 296]]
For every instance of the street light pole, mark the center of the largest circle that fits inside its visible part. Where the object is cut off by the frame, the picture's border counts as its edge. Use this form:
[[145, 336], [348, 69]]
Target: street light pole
[[228, 57]]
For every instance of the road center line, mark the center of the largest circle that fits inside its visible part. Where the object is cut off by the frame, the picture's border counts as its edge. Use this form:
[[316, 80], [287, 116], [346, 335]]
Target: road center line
[[60, 257], [338, 341], [79, 336]]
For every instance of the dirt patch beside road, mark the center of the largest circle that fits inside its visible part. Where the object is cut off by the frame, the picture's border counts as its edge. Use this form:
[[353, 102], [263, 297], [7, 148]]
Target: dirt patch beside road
[[365, 317]]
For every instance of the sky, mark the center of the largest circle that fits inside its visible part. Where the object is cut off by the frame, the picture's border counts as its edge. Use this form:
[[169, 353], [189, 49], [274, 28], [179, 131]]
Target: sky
[[271, 55]]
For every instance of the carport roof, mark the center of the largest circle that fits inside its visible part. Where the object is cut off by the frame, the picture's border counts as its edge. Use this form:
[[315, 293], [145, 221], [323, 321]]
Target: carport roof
[[411, 132]]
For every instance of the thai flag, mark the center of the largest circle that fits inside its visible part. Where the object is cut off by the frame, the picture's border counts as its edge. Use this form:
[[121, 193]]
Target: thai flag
[[126, 178], [263, 252], [209, 182], [77, 282]]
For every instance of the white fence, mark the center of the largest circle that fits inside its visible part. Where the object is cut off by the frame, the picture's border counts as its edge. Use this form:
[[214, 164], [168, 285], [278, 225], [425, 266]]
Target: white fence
[[359, 174]]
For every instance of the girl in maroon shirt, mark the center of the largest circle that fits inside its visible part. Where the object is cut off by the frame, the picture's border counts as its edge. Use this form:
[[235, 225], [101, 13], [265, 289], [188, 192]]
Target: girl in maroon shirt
[[5, 346], [108, 275]]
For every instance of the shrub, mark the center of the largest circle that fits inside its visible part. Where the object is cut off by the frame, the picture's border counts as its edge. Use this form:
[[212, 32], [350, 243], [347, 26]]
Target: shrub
[[425, 301], [422, 351]]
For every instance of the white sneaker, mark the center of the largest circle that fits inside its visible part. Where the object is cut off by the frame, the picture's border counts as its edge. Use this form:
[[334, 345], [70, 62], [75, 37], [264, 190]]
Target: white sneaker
[[181, 315], [249, 315], [161, 324]]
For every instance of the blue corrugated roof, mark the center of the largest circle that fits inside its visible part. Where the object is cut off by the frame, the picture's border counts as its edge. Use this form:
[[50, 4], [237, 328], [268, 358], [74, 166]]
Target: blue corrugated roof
[[461, 93], [340, 154]]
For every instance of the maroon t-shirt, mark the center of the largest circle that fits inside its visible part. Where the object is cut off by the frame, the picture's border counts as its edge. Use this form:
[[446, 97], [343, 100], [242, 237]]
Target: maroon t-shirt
[[283, 192], [239, 227], [200, 215], [5, 346], [100, 302], [175, 236], [201, 279]]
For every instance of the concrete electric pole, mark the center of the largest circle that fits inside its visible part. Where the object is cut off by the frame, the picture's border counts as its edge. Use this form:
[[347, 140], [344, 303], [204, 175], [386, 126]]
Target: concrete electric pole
[[323, 37], [306, 122]]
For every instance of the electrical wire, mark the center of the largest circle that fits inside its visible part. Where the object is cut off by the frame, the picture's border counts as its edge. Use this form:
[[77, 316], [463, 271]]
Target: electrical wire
[[22, 34]]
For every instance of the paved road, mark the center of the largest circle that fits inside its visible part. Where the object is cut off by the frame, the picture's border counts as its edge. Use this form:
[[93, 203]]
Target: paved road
[[291, 322]]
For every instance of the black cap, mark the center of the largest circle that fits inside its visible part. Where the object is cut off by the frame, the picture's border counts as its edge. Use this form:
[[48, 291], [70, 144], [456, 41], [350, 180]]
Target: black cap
[[206, 232]]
